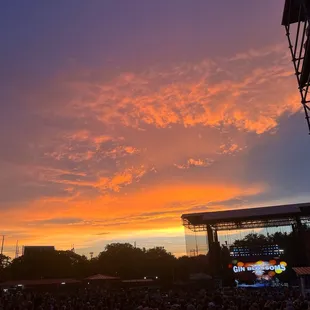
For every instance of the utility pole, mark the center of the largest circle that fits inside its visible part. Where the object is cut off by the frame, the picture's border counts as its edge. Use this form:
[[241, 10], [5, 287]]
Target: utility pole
[[2, 244], [17, 250]]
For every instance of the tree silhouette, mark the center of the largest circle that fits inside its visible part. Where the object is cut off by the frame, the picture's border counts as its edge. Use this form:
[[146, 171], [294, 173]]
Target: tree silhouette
[[253, 239], [129, 262], [123, 260], [44, 265]]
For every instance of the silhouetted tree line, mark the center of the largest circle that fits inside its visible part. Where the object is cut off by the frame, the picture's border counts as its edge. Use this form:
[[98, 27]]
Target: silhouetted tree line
[[118, 259], [128, 262]]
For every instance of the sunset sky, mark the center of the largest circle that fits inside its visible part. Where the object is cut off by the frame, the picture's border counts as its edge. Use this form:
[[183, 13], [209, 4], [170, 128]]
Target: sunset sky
[[119, 116]]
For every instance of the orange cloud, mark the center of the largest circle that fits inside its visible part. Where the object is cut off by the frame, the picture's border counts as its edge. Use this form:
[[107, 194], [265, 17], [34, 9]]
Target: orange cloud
[[121, 151], [82, 222], [230, 148], [213, 92], [145, 209], [188, 95], [191, 162], [126, 177], [113, 167]]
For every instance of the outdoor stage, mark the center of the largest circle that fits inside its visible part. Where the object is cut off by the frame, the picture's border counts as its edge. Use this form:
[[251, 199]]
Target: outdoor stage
[[201, 229]]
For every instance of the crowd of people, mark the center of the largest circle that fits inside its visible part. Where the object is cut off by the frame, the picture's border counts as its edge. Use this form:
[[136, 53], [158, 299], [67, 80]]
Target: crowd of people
[[147, 299]]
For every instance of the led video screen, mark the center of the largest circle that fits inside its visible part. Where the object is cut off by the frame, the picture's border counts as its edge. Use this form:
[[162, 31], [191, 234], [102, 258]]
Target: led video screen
[[261, 273]]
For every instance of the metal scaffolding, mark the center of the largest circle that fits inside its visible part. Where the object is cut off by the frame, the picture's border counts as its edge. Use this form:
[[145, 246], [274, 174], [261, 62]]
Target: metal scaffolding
[[296, 20], [201, 229], [245, 224]]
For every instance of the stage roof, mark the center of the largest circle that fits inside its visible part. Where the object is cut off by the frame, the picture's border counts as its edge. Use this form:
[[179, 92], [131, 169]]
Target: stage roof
[[138, 281], [283, 215], [102, 277], [302, 271]]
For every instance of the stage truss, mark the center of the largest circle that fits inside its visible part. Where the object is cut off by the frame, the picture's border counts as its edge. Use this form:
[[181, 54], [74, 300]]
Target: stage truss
[[296, 20], [201, 229], [243, 224]]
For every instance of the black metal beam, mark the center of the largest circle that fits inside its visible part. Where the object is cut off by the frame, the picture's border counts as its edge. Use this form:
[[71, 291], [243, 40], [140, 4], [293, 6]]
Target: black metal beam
[[298, 12], [250, 224]]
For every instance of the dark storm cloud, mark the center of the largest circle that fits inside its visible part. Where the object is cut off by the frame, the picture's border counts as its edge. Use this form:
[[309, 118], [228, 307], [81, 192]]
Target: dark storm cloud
[[281, 160]]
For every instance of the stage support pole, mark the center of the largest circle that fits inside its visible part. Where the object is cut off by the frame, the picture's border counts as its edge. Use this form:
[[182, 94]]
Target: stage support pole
[[216, 239], [302, 286], [210, 236]]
